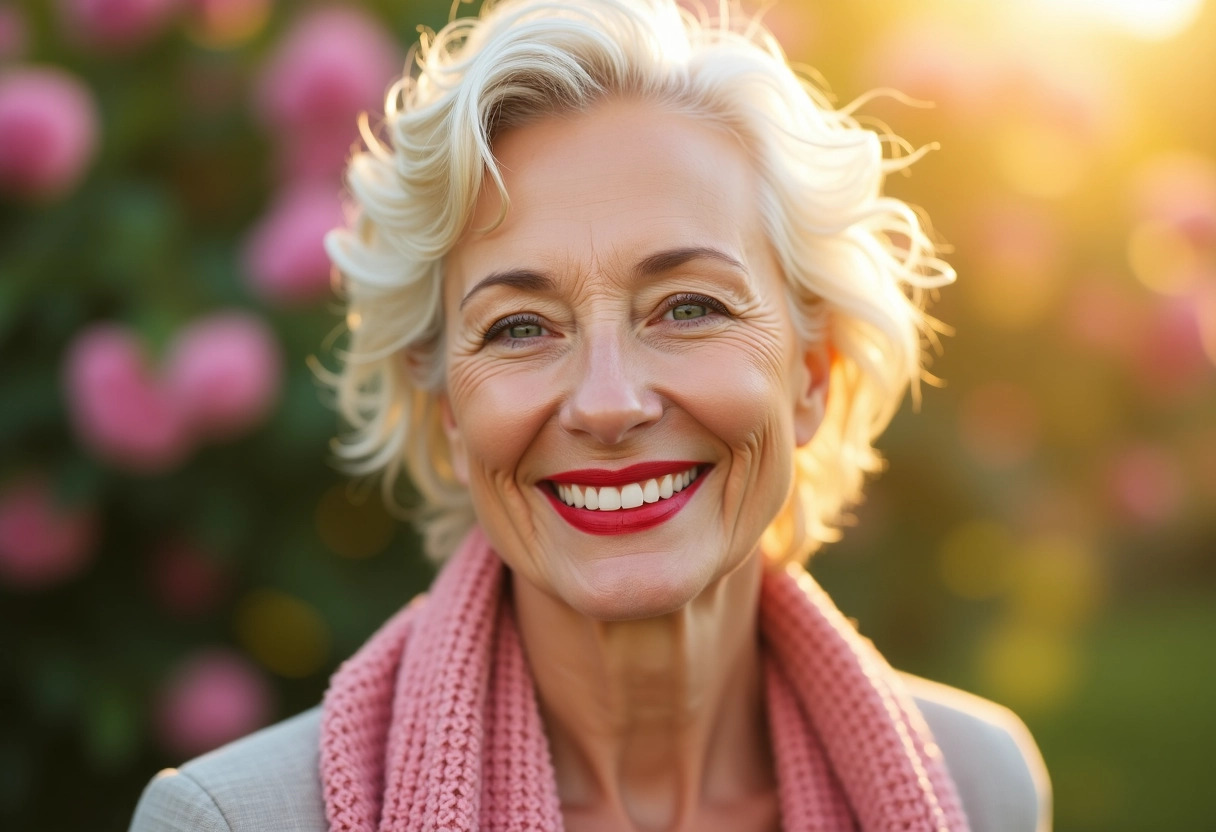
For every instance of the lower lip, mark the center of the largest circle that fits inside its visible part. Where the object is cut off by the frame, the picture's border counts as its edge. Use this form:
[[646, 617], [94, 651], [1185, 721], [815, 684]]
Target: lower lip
[[625, 520]]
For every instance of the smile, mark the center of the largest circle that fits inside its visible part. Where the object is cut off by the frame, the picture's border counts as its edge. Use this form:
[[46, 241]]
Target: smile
[[631, 495], [620, 502]]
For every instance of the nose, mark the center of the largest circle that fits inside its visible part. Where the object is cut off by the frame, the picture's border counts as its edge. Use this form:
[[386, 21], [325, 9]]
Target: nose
[[612, 394]]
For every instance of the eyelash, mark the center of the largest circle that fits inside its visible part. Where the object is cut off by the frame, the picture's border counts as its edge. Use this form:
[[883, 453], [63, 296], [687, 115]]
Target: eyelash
[[699, 300], [503, 324]]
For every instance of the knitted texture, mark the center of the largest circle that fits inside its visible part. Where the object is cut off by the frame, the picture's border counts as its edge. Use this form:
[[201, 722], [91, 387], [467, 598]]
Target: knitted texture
[[433, 726]]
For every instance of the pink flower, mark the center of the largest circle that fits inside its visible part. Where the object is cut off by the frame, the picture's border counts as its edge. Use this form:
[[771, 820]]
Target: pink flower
[[48, 131], [285, 254], [1171, 360], [14, 34], [115, 24], [42, 542], [331, 65], [120, 411], [212, 698], [223, 373]]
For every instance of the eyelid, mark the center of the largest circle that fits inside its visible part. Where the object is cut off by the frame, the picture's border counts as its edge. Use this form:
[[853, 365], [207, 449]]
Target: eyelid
[[503, 324], [692, 297]]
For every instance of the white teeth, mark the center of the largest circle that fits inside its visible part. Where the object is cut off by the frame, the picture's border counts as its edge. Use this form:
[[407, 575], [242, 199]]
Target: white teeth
[[610, 498], [650, 491], [633, 495]]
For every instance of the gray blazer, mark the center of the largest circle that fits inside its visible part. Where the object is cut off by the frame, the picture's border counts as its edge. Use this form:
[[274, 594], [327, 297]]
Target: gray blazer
[[269, 781]]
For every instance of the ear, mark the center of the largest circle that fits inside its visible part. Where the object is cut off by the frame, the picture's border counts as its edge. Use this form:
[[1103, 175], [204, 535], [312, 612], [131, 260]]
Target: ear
[[811, 394], [459, 453]]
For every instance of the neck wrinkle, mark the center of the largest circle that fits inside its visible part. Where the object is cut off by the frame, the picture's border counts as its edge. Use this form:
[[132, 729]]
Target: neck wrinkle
[[653, 721]]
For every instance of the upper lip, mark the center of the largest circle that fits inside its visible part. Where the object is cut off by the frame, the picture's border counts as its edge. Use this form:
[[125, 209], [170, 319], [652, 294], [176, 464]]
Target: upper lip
[[624, 476]]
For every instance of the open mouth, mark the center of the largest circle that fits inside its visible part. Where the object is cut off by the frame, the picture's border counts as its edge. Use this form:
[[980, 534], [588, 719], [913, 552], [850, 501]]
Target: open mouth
[[607, 502], [630, 495]]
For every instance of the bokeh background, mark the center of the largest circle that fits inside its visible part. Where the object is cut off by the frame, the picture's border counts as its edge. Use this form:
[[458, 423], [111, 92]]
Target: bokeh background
[[179, 564]]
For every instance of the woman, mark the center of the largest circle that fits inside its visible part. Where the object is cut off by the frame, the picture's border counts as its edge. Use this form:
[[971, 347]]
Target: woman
[[628, 305]]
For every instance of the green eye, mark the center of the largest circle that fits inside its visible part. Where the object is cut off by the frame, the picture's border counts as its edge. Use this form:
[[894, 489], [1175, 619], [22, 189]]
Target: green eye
[[686, 311], [524, 331]]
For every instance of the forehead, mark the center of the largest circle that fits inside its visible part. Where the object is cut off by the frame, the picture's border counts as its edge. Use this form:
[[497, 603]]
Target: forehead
[[613, 184]]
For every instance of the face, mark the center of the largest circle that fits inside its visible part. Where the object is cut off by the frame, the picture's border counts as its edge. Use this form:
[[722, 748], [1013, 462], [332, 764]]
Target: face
[[623, 330]]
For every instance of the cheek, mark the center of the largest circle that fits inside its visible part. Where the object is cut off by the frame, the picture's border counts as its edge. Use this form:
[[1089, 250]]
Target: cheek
[[740, 394], [739, 391], [498, 414]]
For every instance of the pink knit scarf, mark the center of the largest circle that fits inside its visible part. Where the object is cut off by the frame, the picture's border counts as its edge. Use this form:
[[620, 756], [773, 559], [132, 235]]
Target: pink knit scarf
[[434, 725]]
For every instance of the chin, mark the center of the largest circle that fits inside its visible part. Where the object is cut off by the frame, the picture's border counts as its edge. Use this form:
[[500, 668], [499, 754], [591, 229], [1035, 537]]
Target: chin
[[630, 588]]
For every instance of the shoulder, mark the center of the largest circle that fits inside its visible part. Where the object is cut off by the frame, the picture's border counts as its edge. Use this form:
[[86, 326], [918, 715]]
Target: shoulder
[[267, 781], [991, 756]]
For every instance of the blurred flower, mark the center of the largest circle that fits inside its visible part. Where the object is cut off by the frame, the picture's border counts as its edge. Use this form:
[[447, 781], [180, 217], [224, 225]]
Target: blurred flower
[[1205, 314], [118, 409], [1163, 258], [14, 34], [186, 579], [934, 61], [1178, 190], [319, 152], [1067, 92], [212, 698], [1171, 361], [1145, 483], [42, 541], [115, 24], [48, 131], [226, 23], [223, 373], [1102, 315], [285, 253], [331, 65]]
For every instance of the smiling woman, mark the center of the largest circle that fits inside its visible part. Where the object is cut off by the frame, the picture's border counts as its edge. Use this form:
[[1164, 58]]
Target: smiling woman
[[566, 378], [633, 309]]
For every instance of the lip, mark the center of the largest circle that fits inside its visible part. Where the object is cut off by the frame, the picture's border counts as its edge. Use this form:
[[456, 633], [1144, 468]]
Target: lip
[[626, 520], [634, 473]]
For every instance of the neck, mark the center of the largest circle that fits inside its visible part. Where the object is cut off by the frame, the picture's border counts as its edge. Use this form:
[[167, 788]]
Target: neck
[[654, 721]]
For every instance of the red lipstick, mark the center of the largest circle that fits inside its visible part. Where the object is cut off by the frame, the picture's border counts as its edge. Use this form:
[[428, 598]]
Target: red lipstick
[[634, 473], [625, 520]]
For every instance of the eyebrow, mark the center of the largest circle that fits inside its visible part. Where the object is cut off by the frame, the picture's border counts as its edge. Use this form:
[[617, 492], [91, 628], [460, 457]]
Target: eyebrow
[[524, 279], [529, 280], [673, 258]]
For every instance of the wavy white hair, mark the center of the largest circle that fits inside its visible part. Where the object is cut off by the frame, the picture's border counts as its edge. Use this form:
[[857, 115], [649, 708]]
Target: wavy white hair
[[858, 264]]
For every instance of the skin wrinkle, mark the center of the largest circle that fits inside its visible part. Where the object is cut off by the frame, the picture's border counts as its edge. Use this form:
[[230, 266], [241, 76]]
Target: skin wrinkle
[[644, 645]]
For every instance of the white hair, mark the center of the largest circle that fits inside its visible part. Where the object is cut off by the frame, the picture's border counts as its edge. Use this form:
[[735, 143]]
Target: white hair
[[858, 264]]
